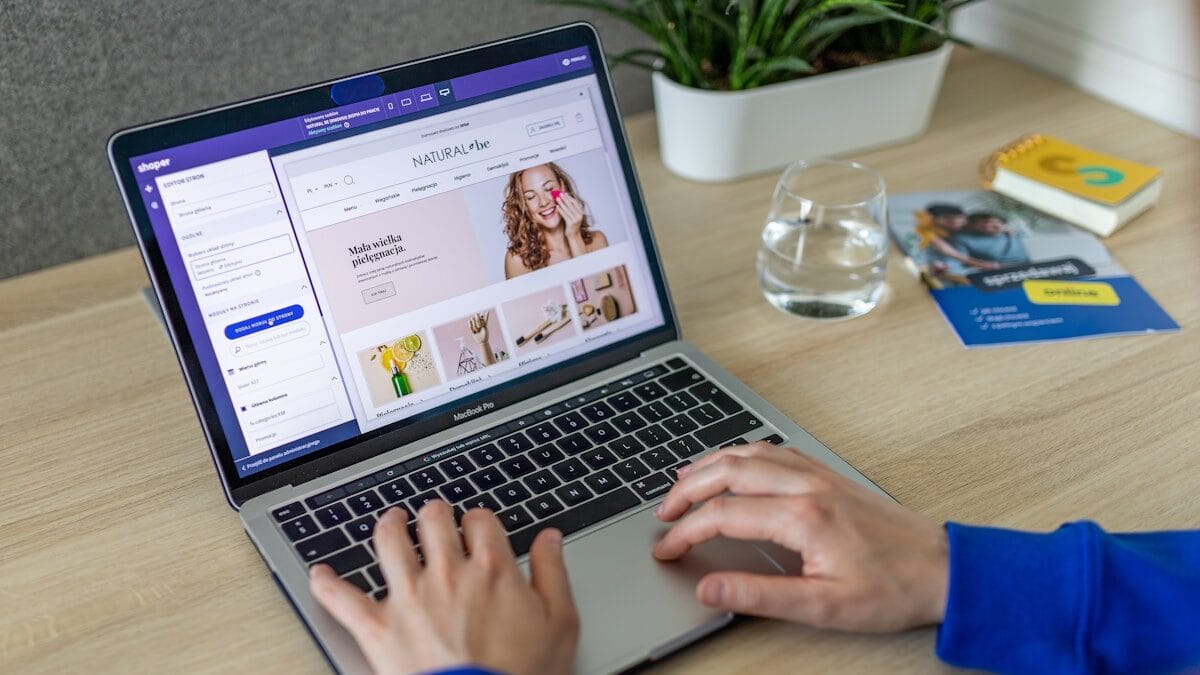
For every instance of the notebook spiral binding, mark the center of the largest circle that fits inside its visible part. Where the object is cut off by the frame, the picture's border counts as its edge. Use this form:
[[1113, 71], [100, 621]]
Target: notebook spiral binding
[[987, 169]]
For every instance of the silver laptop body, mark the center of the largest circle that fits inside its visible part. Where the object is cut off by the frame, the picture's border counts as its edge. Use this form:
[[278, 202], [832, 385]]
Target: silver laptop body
[[607, 390]]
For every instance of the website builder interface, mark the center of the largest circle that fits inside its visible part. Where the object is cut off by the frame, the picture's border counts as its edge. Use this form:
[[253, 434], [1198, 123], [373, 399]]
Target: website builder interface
[[338, 278]]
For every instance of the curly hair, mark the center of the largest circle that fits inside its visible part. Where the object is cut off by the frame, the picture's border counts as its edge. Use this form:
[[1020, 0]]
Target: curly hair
[[525, 237]]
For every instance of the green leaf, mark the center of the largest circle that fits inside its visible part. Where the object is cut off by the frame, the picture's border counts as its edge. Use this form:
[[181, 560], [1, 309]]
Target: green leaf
[[757, 74]]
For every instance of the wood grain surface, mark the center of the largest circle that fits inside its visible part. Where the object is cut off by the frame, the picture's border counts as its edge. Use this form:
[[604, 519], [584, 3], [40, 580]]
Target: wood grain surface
[[118, 551]]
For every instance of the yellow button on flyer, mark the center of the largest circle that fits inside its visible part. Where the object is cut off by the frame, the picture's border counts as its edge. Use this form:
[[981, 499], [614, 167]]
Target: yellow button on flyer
[[1070, 293]]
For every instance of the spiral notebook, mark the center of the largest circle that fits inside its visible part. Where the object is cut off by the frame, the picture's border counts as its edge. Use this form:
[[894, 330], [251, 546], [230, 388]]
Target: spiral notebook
[[1096, 191]]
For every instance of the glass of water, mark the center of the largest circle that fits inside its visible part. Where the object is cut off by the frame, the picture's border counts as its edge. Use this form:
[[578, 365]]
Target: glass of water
[[824, 247]]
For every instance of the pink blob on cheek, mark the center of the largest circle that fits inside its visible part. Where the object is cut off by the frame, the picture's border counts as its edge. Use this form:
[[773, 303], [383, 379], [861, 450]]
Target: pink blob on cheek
[[555, 194]]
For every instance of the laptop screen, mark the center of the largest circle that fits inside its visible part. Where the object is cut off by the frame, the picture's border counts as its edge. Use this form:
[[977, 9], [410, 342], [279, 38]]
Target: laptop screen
[[356, 268]]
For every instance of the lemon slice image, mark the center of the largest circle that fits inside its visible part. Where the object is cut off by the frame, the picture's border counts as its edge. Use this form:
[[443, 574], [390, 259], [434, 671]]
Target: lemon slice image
[[412, 343], [386, 359]]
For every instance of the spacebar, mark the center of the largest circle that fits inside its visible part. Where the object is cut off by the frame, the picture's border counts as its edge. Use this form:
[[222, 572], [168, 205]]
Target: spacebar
[[577, 518]]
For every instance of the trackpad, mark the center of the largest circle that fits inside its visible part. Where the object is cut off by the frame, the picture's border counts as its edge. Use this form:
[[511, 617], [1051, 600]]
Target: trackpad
[[633, 606]]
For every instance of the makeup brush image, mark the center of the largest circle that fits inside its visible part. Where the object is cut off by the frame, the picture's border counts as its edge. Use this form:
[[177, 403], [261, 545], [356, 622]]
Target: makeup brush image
[[551, 330], [551, 312]]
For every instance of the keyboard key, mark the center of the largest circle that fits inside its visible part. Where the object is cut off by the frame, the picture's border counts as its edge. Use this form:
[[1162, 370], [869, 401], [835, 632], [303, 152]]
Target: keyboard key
[[380, 594], [705, 414], [542, 481], [680, 401], [457, 490], [359, 485], [774, 439], [427, 478], [680, 425], [713, 394], [627, 446], [349, 560], [681, 379], [650, 391], [573, 444], [376, 575], [317, 501], [362, 528], [300, 528], [359, 580], [628, 423], [517, 466], [673, 472], [515, 444], [396, 490], [601, 433], [545, 455], [515, 518], [735, 442], [675, 363], [602, 481], [390, 474], [543, 433], [488, 478], [685, 447], [653, 435], [597, 411], [713, 434], [654, 485], [573, 493], [630, 469], [365, 502], [544, 506], [333, 515], [598, 458], [577, 518], [656, 411], [659, 458], [288, 512], [624, 401], [570, 469], [422, 499], [456, 467], [483, 501], [322, 545], [488, 454], [513, 493], [570, 423], [651, 372]]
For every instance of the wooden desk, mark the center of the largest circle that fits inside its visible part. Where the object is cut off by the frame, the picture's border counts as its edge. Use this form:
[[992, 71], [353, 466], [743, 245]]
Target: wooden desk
[[118, 551]]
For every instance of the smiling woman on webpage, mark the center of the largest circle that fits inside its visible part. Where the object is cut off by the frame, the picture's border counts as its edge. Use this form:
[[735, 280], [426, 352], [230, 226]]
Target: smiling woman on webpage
[[545, 220]]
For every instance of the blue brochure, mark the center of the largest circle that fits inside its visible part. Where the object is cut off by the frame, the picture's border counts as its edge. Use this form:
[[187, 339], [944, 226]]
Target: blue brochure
[[1002, 273]]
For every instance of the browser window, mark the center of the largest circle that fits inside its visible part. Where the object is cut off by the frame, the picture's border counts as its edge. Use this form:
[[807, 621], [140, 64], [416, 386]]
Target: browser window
[[353, 268]]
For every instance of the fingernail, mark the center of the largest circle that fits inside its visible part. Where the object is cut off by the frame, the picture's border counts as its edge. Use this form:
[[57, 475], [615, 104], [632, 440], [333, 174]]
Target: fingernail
[[554, 537], [713, 592], [684, 470], [658, 510]]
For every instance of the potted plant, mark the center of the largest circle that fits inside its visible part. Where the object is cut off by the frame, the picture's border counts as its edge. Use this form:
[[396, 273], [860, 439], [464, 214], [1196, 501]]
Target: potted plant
[[745, 86]]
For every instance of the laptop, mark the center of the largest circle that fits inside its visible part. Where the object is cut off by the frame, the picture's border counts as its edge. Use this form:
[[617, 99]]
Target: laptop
[[438, 281]]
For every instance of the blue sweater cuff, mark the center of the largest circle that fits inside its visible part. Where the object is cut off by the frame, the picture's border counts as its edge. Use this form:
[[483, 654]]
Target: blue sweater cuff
[[1015, 599], [464, 670]]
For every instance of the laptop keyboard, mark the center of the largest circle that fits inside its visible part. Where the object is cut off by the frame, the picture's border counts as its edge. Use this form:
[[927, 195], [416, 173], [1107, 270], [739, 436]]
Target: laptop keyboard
[[570, 465]]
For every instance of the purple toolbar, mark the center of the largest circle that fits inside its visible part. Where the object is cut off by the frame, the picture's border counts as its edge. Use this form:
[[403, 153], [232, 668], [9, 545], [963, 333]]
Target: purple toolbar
[[334, 120]]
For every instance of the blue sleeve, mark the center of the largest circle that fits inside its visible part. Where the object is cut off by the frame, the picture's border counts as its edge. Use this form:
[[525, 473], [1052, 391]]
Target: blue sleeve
[[1077, 600], [464, 670]]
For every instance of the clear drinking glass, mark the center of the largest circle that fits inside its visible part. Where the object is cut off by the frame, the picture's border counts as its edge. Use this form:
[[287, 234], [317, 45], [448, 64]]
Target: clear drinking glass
[[824, 247]]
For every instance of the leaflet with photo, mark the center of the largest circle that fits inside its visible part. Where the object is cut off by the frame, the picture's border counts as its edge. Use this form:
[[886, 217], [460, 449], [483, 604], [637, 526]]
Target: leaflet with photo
[[1002, 273]]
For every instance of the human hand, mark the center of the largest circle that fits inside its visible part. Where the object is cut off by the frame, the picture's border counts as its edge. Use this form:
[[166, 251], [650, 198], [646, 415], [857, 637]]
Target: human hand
[[870, 565], [983, 264], [457, 609], [571, 210]]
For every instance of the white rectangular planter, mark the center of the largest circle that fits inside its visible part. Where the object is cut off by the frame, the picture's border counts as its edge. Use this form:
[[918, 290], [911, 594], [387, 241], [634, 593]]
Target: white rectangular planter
[[723, 135]]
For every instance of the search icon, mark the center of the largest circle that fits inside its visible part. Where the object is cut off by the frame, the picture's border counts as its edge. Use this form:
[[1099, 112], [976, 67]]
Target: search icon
[[348, 180]]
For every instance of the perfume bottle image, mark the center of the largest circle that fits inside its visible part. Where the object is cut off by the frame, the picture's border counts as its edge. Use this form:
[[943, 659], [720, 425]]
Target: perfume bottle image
[[400, 381]]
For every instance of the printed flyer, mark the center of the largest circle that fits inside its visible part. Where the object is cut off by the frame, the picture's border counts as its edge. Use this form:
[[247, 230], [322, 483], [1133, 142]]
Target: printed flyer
[[1002, 273]]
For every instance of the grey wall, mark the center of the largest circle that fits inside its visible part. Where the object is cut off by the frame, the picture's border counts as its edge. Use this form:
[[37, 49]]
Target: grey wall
[[73, 71]]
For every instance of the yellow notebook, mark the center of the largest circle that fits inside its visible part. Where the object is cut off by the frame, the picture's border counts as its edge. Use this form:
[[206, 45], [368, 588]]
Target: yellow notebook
[[1097, 191]]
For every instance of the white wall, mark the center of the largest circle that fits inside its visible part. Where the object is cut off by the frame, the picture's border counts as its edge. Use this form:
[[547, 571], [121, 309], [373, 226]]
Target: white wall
[[1143, 55]]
